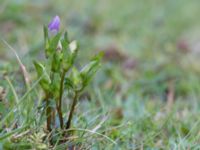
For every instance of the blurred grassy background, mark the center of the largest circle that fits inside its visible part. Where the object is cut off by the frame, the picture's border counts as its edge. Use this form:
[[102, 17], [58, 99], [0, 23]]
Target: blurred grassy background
[[152, 50], [146, 40]]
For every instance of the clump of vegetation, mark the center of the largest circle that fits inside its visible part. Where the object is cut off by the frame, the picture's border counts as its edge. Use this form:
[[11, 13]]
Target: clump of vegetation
[[58, 75]]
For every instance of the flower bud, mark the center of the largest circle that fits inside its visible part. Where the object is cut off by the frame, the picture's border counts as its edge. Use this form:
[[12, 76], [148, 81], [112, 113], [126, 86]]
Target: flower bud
[[54, 25], [73, 46], [59, 46]]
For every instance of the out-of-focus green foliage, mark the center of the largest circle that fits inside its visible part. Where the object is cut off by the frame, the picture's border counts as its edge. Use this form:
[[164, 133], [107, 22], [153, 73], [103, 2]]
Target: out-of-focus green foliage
[[151, 56]]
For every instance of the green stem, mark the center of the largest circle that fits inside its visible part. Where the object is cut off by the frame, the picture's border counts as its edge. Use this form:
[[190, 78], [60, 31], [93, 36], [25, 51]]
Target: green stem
[[59, 105], [68, 124], [48, 107], [48, 113]]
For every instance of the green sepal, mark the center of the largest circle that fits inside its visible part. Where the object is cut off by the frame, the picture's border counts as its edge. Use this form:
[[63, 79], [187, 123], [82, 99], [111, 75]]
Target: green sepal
[[56, 61], [55, 85], [69, 57], [66, 63], [53, 44], [65, 42], [64, 45], [55, 40]]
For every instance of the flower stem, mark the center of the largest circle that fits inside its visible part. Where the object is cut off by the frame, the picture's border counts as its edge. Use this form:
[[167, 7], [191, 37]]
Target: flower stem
[[59, 104], [48, 113], [48, 107], [68, 124]]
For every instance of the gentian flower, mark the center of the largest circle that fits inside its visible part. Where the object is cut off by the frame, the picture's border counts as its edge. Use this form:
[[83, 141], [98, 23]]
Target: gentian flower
[[54, 25]]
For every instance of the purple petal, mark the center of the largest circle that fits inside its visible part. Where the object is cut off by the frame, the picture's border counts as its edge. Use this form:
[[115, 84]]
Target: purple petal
[[54, 25]]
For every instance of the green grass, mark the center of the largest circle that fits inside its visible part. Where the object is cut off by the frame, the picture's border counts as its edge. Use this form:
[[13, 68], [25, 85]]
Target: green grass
[[123, 108]]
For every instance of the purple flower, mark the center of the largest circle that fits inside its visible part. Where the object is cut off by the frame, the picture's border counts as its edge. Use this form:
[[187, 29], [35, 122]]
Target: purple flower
[[54, 25]]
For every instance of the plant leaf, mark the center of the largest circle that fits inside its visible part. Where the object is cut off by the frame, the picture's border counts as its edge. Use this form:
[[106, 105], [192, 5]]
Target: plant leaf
[[89, 71], [41, 72]]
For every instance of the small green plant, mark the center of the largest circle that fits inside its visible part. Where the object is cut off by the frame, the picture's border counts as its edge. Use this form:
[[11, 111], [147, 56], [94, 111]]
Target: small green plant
[[59, 74]]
